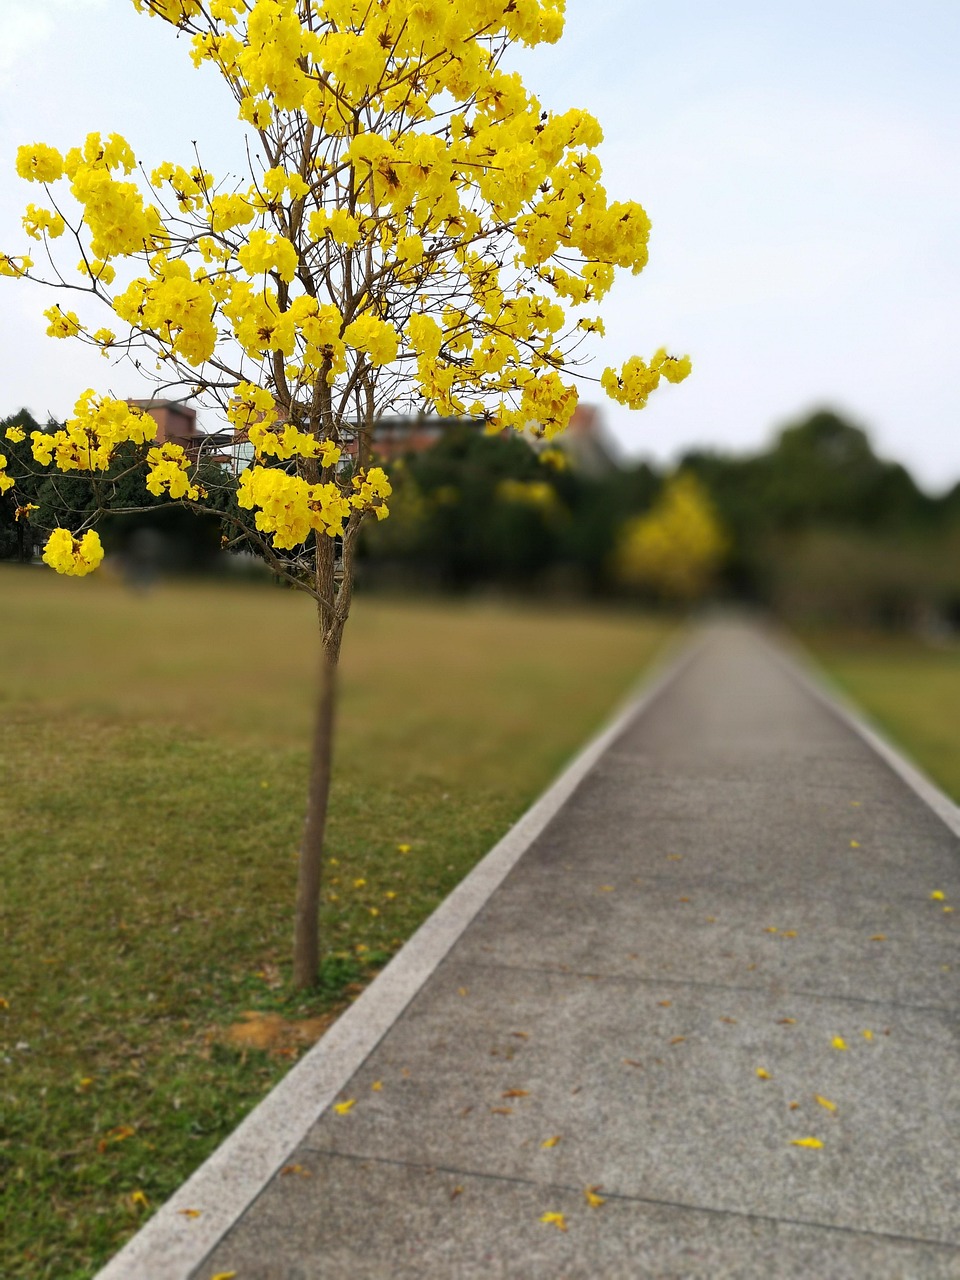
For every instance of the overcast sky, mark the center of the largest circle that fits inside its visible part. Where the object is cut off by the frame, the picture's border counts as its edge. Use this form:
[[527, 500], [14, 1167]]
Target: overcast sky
[[800, 163]]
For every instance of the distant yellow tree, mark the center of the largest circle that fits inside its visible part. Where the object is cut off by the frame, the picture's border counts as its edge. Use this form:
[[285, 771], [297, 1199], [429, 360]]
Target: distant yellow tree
[[676, 548]]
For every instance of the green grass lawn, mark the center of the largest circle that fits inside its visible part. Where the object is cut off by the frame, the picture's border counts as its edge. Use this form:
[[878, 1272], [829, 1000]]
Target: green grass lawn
[[154, 772], [910, 690]]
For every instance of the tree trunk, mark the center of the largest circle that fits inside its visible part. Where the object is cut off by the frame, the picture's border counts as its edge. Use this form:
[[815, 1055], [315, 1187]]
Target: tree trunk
[[306, 941]]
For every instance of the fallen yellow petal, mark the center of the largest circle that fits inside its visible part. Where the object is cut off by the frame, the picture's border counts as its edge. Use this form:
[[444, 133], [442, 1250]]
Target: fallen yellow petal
[[341, 1108], [813, 1143], [359, 884], [838, 1042], [789, 933], [463, 991], [948, 910], [224, 1275], [403, 848], [288, 1169], [771, 928], [190, 1213], [867, 1034], [678, 1039], [138, 1198], [854, 844], [554, 1220], [825, 1102], [878, 937], [4, 1003], [938, 895], [786, 1022], [550, 1142], [606, 888], [762, 1074], [593, 1200], [515, 1093], [377, 1086]]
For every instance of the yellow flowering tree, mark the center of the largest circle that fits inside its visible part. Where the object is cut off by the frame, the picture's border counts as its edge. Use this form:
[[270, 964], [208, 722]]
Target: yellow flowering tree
[[415, 233], [677, 547]]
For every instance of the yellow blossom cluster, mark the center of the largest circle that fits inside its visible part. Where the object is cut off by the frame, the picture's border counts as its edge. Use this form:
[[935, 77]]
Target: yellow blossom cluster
[[6, 481], [40, 222], [87, 441], [528, 493], [289, 508], [372, 488], [75, 557], [169, 467], [14, 266], [254, 411], [636, 379]]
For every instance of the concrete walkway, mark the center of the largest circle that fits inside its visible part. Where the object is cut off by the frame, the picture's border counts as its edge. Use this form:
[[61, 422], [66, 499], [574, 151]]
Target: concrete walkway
[[730, 917]]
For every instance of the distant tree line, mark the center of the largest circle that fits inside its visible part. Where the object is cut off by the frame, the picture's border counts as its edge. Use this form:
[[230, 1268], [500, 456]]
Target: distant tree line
[[815, 527]]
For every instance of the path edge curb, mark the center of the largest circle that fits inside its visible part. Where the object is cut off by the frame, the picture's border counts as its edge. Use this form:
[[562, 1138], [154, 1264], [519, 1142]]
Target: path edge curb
[[172, 1244], [805, 669]]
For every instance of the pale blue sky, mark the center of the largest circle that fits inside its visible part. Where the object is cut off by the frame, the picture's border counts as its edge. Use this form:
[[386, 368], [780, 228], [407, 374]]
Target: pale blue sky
[[800, 163]]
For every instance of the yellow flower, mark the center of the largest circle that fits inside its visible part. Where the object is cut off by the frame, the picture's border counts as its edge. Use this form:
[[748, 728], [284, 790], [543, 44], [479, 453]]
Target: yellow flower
[[377, 338], [63, 324], [838, 1042], [762, 1074], [75, 557], [554, 1220], [341, 1108], [266, 252], [39, 163], [14, 266], [40, 222]]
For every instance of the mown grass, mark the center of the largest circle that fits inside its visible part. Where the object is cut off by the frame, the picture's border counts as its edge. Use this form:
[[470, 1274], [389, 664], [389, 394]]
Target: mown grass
[[154, 768], [909, 688]]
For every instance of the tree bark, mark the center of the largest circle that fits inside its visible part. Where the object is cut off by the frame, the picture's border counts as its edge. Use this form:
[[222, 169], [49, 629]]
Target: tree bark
[[306, 943], [306, 936]]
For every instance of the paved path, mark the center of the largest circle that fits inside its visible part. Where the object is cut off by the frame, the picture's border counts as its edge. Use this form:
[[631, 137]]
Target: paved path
[[709, 903]]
